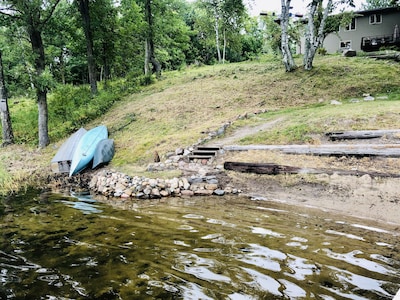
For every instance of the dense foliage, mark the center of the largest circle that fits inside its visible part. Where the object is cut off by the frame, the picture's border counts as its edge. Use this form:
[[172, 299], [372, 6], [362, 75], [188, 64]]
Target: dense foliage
[[50, 46], [184, 34], [116, 35]]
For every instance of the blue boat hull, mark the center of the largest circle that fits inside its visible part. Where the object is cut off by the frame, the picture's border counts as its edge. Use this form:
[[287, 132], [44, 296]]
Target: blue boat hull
[[104, 152], [86, 147]]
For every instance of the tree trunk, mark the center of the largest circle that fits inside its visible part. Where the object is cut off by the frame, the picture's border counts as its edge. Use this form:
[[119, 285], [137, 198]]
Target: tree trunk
[[106, 65], [84, 10], [43, 118], [41, 92], [147, 67], [216, 28], [8, 136], [314, 40], [150, 57], [224, 50], [62, 67], [285, 47]]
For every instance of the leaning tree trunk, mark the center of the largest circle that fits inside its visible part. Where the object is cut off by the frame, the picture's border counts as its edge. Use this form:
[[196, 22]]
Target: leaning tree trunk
[[8, 136], [288, 60], [84, 10], [41, 92]]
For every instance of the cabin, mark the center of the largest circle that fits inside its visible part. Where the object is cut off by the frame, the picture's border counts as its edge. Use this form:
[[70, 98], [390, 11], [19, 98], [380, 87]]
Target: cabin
[[369, 30]]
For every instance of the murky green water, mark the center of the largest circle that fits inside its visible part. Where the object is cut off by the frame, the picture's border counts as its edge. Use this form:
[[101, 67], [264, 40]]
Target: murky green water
[[59, 247]]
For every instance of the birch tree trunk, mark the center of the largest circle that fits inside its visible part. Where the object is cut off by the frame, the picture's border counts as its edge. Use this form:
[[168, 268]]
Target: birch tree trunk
[[313, 39], [216, 27], [287, 57], [8, 136]]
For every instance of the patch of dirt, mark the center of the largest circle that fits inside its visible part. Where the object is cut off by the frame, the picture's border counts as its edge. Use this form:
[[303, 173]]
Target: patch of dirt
[[245, 131], [368, 197]]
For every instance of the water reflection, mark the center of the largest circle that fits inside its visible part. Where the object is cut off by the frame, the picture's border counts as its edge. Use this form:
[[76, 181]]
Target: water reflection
[[59, 247]]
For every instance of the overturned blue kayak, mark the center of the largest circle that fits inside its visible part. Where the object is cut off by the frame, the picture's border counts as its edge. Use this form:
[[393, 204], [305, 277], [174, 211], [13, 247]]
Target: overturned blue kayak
[[86, 147], [104, 152], [61, 162]]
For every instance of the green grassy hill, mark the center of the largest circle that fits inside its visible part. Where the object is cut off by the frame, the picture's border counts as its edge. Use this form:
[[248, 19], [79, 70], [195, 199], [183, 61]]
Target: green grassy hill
[[184, 106]]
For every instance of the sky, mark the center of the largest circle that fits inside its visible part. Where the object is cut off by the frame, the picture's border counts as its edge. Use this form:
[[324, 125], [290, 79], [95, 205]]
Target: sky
[[299, 6]]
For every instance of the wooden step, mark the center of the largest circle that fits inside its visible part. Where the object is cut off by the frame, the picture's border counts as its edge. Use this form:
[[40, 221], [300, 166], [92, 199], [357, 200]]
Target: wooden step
[[204, 152], [191, 157], [208, 148]]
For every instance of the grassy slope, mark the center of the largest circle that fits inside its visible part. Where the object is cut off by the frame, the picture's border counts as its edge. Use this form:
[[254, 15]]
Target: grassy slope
[[178, 110], [184, 106]]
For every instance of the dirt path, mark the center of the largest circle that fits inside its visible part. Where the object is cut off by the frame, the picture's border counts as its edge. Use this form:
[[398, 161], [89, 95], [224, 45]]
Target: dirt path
[[243, 132]]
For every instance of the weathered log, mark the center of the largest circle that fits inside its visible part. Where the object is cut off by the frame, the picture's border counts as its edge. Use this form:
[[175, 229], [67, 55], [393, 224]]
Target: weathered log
[[360, 134], [274, 169], [394, 56], [359, 150]]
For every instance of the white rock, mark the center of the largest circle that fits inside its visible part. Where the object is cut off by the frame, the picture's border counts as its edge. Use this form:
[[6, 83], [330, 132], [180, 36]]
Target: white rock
[[369, 98], [335, 102]]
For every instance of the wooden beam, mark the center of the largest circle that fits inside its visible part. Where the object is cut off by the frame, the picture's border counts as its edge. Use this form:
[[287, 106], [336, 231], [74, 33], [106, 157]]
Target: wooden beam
[[360, 150], [274, 169], [361, 134]]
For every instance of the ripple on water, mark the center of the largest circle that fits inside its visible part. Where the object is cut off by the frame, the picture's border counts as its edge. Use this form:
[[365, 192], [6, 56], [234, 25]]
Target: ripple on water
[[292, 290], [263, 257], [359, 282], [300, 268], [84, 207], [220, 222], [264, 232], [193, 216], [263, 282], [199, 267], [350, 236], [351, 258], [190, 290]]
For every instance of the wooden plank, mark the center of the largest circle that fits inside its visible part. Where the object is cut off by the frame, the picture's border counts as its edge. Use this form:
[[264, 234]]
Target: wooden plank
[[360, 134], [274, 169], [208, 148], [384, 150], [200, 157]]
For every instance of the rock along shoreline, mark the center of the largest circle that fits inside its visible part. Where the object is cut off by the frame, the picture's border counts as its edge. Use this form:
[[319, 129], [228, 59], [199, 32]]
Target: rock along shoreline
[[119, 185]]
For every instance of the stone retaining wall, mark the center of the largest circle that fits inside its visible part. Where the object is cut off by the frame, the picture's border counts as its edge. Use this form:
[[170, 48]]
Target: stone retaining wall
[[116, 184]]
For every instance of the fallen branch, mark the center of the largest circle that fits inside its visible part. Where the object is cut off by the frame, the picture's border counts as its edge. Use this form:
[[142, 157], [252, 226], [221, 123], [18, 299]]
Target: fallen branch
[[274, 169]]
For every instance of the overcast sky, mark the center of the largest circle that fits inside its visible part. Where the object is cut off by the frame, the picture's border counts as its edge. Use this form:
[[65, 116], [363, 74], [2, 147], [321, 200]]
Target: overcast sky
[[275, 5]]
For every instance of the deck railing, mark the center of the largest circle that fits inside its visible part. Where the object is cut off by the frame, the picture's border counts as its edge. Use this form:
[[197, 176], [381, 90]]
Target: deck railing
[[373, 43]]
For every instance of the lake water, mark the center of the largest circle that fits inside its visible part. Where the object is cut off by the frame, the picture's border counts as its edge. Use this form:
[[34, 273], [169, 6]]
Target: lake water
[[60, 247]]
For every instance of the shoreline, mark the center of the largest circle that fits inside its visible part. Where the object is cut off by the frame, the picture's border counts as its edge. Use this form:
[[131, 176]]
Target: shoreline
[[374, 200]]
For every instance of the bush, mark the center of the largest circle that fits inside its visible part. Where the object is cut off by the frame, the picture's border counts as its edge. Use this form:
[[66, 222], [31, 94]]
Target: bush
[[72, 107], [322, 51]]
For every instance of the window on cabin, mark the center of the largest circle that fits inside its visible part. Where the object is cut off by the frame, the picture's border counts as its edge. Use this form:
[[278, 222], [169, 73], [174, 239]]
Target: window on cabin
[[375, 19], [345, 44], [351, 26]]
